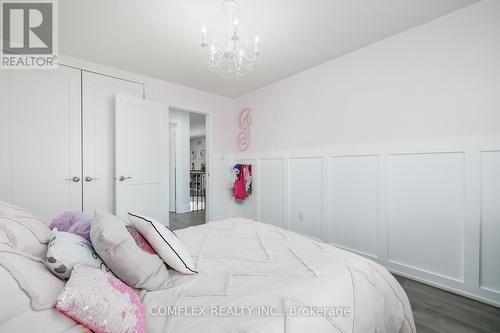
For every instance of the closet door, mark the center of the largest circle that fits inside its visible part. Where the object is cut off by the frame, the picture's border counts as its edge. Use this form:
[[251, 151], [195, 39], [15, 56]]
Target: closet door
[[99, 93], [40, 140]]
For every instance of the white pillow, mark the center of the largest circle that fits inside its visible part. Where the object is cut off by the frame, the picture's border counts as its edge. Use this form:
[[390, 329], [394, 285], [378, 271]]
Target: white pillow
[[28, 289], [165, 242], [118, 249], [29, 294], [23, 231], [66, 250]]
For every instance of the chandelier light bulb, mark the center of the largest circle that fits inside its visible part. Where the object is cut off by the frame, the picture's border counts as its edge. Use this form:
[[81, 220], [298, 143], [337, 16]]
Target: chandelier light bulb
[[240, 56], [204, 36], [256, 44]]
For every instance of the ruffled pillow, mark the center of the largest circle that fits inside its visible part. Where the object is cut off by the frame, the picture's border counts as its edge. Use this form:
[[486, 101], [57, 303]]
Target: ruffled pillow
[[75, 222], [101, 302]]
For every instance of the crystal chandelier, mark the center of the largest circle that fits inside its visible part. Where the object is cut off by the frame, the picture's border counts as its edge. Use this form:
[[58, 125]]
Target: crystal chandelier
[[229, 53]]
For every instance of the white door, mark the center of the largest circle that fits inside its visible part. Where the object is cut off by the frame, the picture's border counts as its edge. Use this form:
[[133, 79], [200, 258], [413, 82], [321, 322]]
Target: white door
[[171, 167], [142, 157], [40, 140], [99, 93]]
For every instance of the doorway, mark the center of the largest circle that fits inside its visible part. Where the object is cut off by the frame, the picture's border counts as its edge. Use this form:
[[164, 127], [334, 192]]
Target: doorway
[[188, 168]]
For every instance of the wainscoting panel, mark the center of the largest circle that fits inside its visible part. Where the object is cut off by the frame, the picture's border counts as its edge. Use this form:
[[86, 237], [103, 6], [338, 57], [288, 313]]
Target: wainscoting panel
[[354, 202], [426, 212], [305, 201], [490, 221], [271, 199], [219, 205]]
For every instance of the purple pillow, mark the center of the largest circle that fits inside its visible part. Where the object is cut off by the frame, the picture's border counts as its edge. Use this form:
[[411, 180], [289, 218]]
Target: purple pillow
[[75, 222]]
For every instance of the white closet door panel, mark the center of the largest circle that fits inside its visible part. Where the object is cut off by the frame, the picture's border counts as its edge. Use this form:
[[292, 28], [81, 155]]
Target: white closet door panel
[[99, 93], [40, 140]]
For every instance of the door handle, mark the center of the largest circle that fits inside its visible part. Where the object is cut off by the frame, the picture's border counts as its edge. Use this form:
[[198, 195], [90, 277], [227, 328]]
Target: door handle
[[122, 178], [74, 179], [89, 179]]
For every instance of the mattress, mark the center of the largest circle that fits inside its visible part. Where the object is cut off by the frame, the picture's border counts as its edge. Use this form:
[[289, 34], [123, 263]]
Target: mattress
[[256, 277]]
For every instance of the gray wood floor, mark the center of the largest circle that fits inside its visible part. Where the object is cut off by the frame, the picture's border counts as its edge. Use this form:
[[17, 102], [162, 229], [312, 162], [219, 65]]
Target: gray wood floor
[[181, 221], [436, 310]]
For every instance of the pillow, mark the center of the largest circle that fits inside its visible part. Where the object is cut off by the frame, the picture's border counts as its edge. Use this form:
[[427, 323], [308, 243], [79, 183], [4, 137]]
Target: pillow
[[168, 246], [23, 231], [66, 250], [74, 222], [30, 288], [20, 238], [12, 211], [139, 240], [101, 302], [29, 295], [118, 249]]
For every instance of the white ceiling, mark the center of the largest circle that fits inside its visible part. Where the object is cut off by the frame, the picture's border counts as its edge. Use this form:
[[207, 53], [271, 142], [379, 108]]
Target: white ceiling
[[160, 38]]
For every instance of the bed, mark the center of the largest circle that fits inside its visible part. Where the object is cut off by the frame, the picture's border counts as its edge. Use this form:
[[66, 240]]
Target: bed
[[253, 277]]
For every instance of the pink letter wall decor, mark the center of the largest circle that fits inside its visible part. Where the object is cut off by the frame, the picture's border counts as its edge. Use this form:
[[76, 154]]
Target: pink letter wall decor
[[244, 122]]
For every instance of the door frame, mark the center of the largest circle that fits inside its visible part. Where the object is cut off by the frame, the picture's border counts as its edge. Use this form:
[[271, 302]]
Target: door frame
[[208, 153], [174, 126]]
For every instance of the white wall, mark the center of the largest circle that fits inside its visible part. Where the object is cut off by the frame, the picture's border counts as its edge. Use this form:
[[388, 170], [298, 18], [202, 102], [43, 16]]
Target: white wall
[[392, 151], [220, 111], [441, 79], [198, 125], [197, 144]]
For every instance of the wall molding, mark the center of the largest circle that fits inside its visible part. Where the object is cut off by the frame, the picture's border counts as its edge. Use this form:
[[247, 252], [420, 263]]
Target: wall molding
[[351, 180], [219, 193]]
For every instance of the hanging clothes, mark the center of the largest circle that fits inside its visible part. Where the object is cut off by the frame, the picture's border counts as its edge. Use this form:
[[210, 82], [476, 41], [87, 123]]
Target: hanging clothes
[[242, 186], [247, 175]]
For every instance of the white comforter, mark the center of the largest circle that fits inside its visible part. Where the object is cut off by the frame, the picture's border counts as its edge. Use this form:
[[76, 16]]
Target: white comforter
[[257, 278]]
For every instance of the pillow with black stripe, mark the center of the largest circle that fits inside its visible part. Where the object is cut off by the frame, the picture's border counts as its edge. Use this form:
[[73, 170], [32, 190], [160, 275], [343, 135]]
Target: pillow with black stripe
[[165, 242], [119, 250]]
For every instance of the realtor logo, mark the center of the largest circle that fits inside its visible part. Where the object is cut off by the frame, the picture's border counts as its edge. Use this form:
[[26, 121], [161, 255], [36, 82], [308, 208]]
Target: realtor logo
[[29, 34]]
